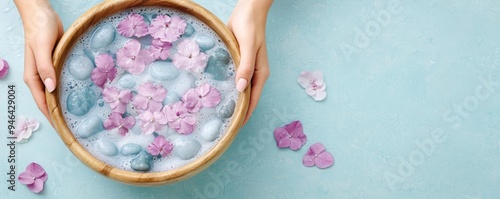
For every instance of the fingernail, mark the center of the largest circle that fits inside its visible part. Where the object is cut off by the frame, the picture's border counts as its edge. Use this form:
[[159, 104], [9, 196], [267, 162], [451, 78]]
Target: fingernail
[[241, 85], [49, 84]]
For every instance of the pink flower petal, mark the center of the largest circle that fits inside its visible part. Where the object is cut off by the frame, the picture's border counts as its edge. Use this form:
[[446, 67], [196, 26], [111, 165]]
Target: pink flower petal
[[291, 135], [316, 148], [188, 56], [36, 187], [26, 178], [324, 160], [308, 160], [167, 29], [4, 68], [133, 25]]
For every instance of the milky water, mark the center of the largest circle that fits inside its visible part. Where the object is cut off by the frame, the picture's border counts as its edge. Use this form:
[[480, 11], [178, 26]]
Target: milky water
[[179, 85]]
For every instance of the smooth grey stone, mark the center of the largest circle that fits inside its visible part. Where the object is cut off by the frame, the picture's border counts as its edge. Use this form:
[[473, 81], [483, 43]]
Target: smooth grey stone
[[163, 70], [127, 81], [80, 67], [142, 162], [184, 82], [107, 148], [90, 126], [211, 130], [189, 30], [103, 36], [131, 149], [205, 42], [218, 64], [186, 148], [79, 102], [226, 109], [171, 98]]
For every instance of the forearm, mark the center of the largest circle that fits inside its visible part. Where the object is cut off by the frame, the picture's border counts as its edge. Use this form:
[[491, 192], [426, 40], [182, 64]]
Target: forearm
[[258, 8]]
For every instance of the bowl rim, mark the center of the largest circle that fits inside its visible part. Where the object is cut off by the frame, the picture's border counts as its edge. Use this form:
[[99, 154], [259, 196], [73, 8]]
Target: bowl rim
[[87, 21]]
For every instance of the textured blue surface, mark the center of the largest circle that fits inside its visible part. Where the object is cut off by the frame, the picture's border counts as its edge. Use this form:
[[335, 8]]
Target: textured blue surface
[[413, 106]]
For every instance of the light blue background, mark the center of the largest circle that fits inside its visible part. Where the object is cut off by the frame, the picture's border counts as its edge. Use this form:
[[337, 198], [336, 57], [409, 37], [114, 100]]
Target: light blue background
[[416, 74]]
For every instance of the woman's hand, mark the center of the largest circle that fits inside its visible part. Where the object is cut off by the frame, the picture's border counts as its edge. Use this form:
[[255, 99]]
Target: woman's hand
[[42, 30], [248, 24]]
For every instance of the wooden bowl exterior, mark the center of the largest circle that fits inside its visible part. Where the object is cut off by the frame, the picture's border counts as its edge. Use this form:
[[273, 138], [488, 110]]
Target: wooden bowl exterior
[[89, 19]]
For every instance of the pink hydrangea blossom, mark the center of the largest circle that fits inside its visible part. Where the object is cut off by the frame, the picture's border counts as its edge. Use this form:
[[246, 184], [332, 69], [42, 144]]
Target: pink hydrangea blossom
[[202, 96], [291, 135], [167, 29], [105, 69], [25, 128], [179, 118], [115, 121], [117, 99], [314, 84], [34, 177], [152, 121], [317, 155], [133, 25], [132, 58], [160, 50], [189, 56], [149, 97], [160, 146]]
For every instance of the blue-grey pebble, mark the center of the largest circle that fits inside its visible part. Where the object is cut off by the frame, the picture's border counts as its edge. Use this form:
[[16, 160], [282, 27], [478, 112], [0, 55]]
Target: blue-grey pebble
[[211, 130], [90, 126], [107, 148], [163, 70], [127, 81], [186, 147], [171, 98], [130, 149], [226, 109], [189, 30], [79, 102], [218, 64], [142, 162], [103, 36], [205, 42], [80, 67]]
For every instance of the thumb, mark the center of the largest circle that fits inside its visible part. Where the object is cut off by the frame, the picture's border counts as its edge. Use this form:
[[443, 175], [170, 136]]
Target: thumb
[[246, 68], [43, 57]]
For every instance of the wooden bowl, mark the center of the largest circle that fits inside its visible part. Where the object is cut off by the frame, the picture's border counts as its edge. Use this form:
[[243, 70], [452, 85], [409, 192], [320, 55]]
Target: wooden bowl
[[88, 20]]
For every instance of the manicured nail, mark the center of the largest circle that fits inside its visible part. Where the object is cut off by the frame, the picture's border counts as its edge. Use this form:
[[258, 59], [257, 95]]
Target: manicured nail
[[49, 84], [241, 85]]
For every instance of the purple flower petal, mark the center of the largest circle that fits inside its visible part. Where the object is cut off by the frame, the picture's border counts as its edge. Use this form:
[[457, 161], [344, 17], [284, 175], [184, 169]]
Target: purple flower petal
[[291, 135], [132, 58], [189, 57], [25, 128], [133, 25], [34, 177], [179, 118], [317, 155], [160, 146], [4, 68], [324, 160], [167, 29], [313, 84]]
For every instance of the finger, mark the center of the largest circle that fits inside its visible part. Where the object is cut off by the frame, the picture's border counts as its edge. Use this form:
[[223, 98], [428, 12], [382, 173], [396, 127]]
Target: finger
[[43, 57], [259, 79], [33, 81], [247, 64]]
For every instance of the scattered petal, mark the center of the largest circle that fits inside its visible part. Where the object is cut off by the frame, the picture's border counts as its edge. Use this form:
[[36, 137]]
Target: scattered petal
[[202, 96], [179, 118], [133, 25], [149, 97], [132, 58], [291, 135], [24, 128], [152, 121], [189, 57], [34, 177], [160, 50], [105, 69], [4, 68], [313, 84], [317, 155], [167, 29], [115, 121], [117, 99], [160, 146]]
